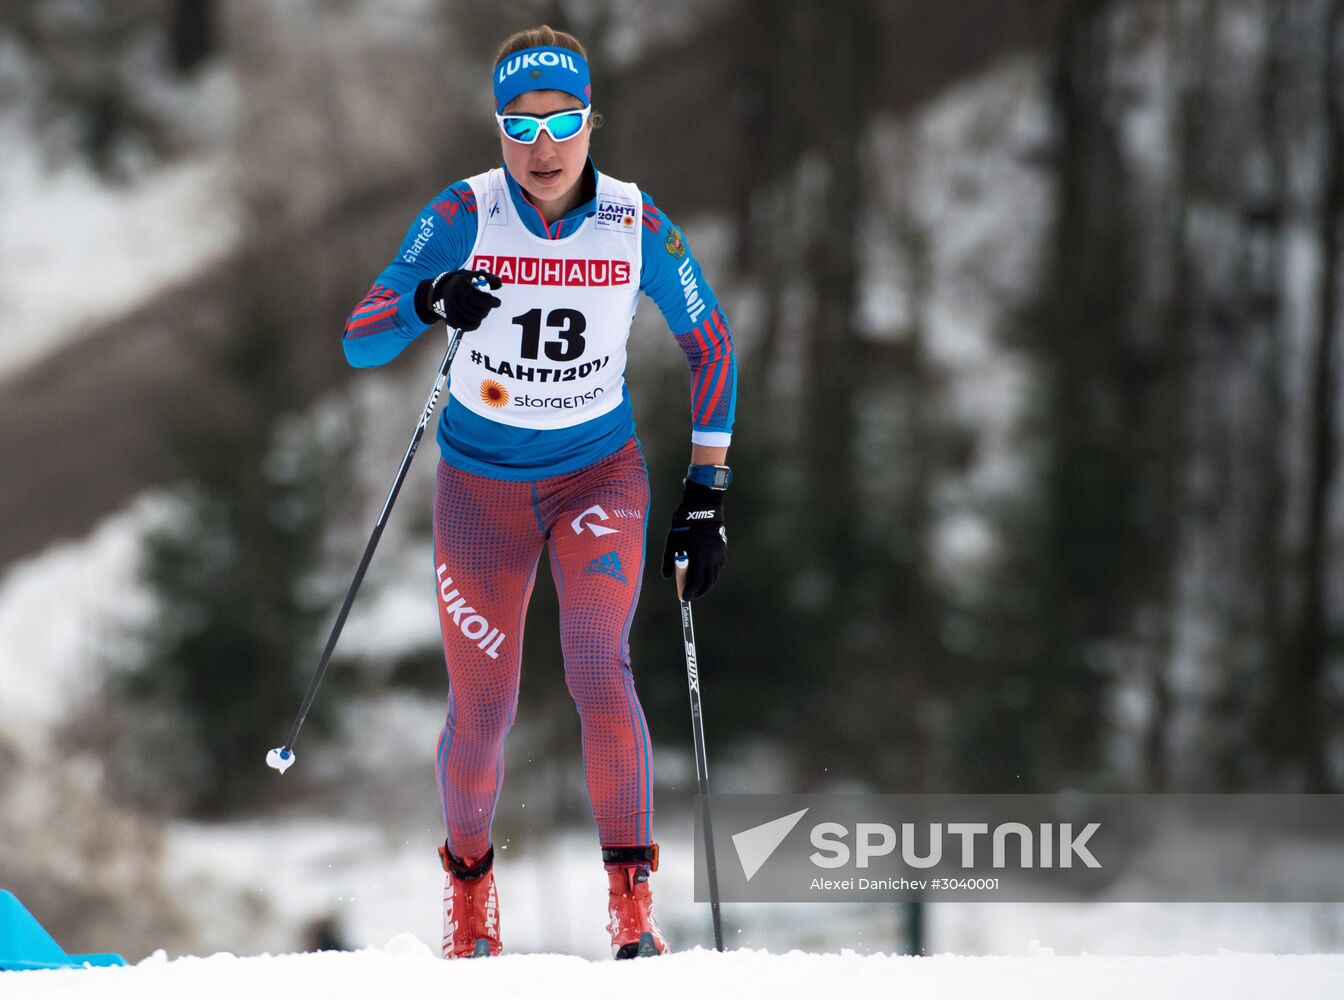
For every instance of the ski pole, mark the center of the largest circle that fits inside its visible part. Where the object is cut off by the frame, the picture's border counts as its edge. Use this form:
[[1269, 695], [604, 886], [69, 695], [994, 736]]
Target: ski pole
[[698, 731], [282, 757]]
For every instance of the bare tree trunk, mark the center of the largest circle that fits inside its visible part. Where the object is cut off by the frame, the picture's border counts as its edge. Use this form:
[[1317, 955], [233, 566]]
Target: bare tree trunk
[[1186, 73], [914, 620], [193, 33], [1305, 709], [1264, 214], [764, 202], [1088, 554], [829, 435]]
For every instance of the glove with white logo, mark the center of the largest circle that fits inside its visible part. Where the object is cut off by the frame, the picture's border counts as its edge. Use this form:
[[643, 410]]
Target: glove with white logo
[[697, 530], [457, 298]]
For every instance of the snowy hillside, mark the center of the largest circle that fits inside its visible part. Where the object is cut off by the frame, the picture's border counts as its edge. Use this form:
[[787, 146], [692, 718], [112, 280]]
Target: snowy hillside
[[126, 240], [955, 223], [406, 969]]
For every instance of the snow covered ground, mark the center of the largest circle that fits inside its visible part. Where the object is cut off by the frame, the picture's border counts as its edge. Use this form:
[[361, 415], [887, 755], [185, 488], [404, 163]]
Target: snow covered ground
[[405, 968]]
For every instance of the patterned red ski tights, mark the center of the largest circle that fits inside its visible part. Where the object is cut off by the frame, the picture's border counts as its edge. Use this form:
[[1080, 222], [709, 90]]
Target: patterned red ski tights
[[488, 536]]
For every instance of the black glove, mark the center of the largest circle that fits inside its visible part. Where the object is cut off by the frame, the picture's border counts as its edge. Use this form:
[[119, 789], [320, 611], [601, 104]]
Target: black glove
[[697, 530], [454, 298]]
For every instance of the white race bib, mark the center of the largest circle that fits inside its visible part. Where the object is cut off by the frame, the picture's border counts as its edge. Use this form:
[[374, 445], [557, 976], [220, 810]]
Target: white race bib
[[553, 353]]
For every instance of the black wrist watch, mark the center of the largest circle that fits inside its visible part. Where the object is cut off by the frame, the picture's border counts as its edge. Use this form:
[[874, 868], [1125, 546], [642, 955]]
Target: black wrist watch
[[716, 477]]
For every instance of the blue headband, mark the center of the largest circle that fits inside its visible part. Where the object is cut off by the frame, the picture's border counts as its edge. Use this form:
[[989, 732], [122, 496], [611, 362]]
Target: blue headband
[[545, 67]]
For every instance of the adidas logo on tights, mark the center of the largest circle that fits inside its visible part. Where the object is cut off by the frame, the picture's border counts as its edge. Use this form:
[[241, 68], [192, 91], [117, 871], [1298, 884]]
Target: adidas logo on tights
[[610, 564]]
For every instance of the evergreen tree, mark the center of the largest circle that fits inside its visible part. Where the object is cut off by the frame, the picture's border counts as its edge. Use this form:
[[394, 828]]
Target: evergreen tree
[[227, 656]]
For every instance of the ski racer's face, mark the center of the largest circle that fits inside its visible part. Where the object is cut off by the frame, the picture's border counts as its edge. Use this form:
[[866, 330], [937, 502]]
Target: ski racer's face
[[547, 170]]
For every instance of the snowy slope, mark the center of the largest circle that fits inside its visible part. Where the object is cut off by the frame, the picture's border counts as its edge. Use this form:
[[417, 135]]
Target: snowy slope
[[405, 969], [253, 886], [62, 228]]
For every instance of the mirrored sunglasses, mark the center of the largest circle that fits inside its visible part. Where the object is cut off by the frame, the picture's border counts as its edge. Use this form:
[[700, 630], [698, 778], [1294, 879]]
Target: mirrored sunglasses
[[560, 126]]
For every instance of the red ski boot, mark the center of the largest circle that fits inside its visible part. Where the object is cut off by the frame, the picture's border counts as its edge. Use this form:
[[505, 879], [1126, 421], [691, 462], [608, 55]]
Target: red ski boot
[[634, 932], [470, 906]]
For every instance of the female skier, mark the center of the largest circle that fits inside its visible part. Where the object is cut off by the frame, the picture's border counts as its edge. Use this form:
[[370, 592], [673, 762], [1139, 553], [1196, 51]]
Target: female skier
[[538, 450]]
